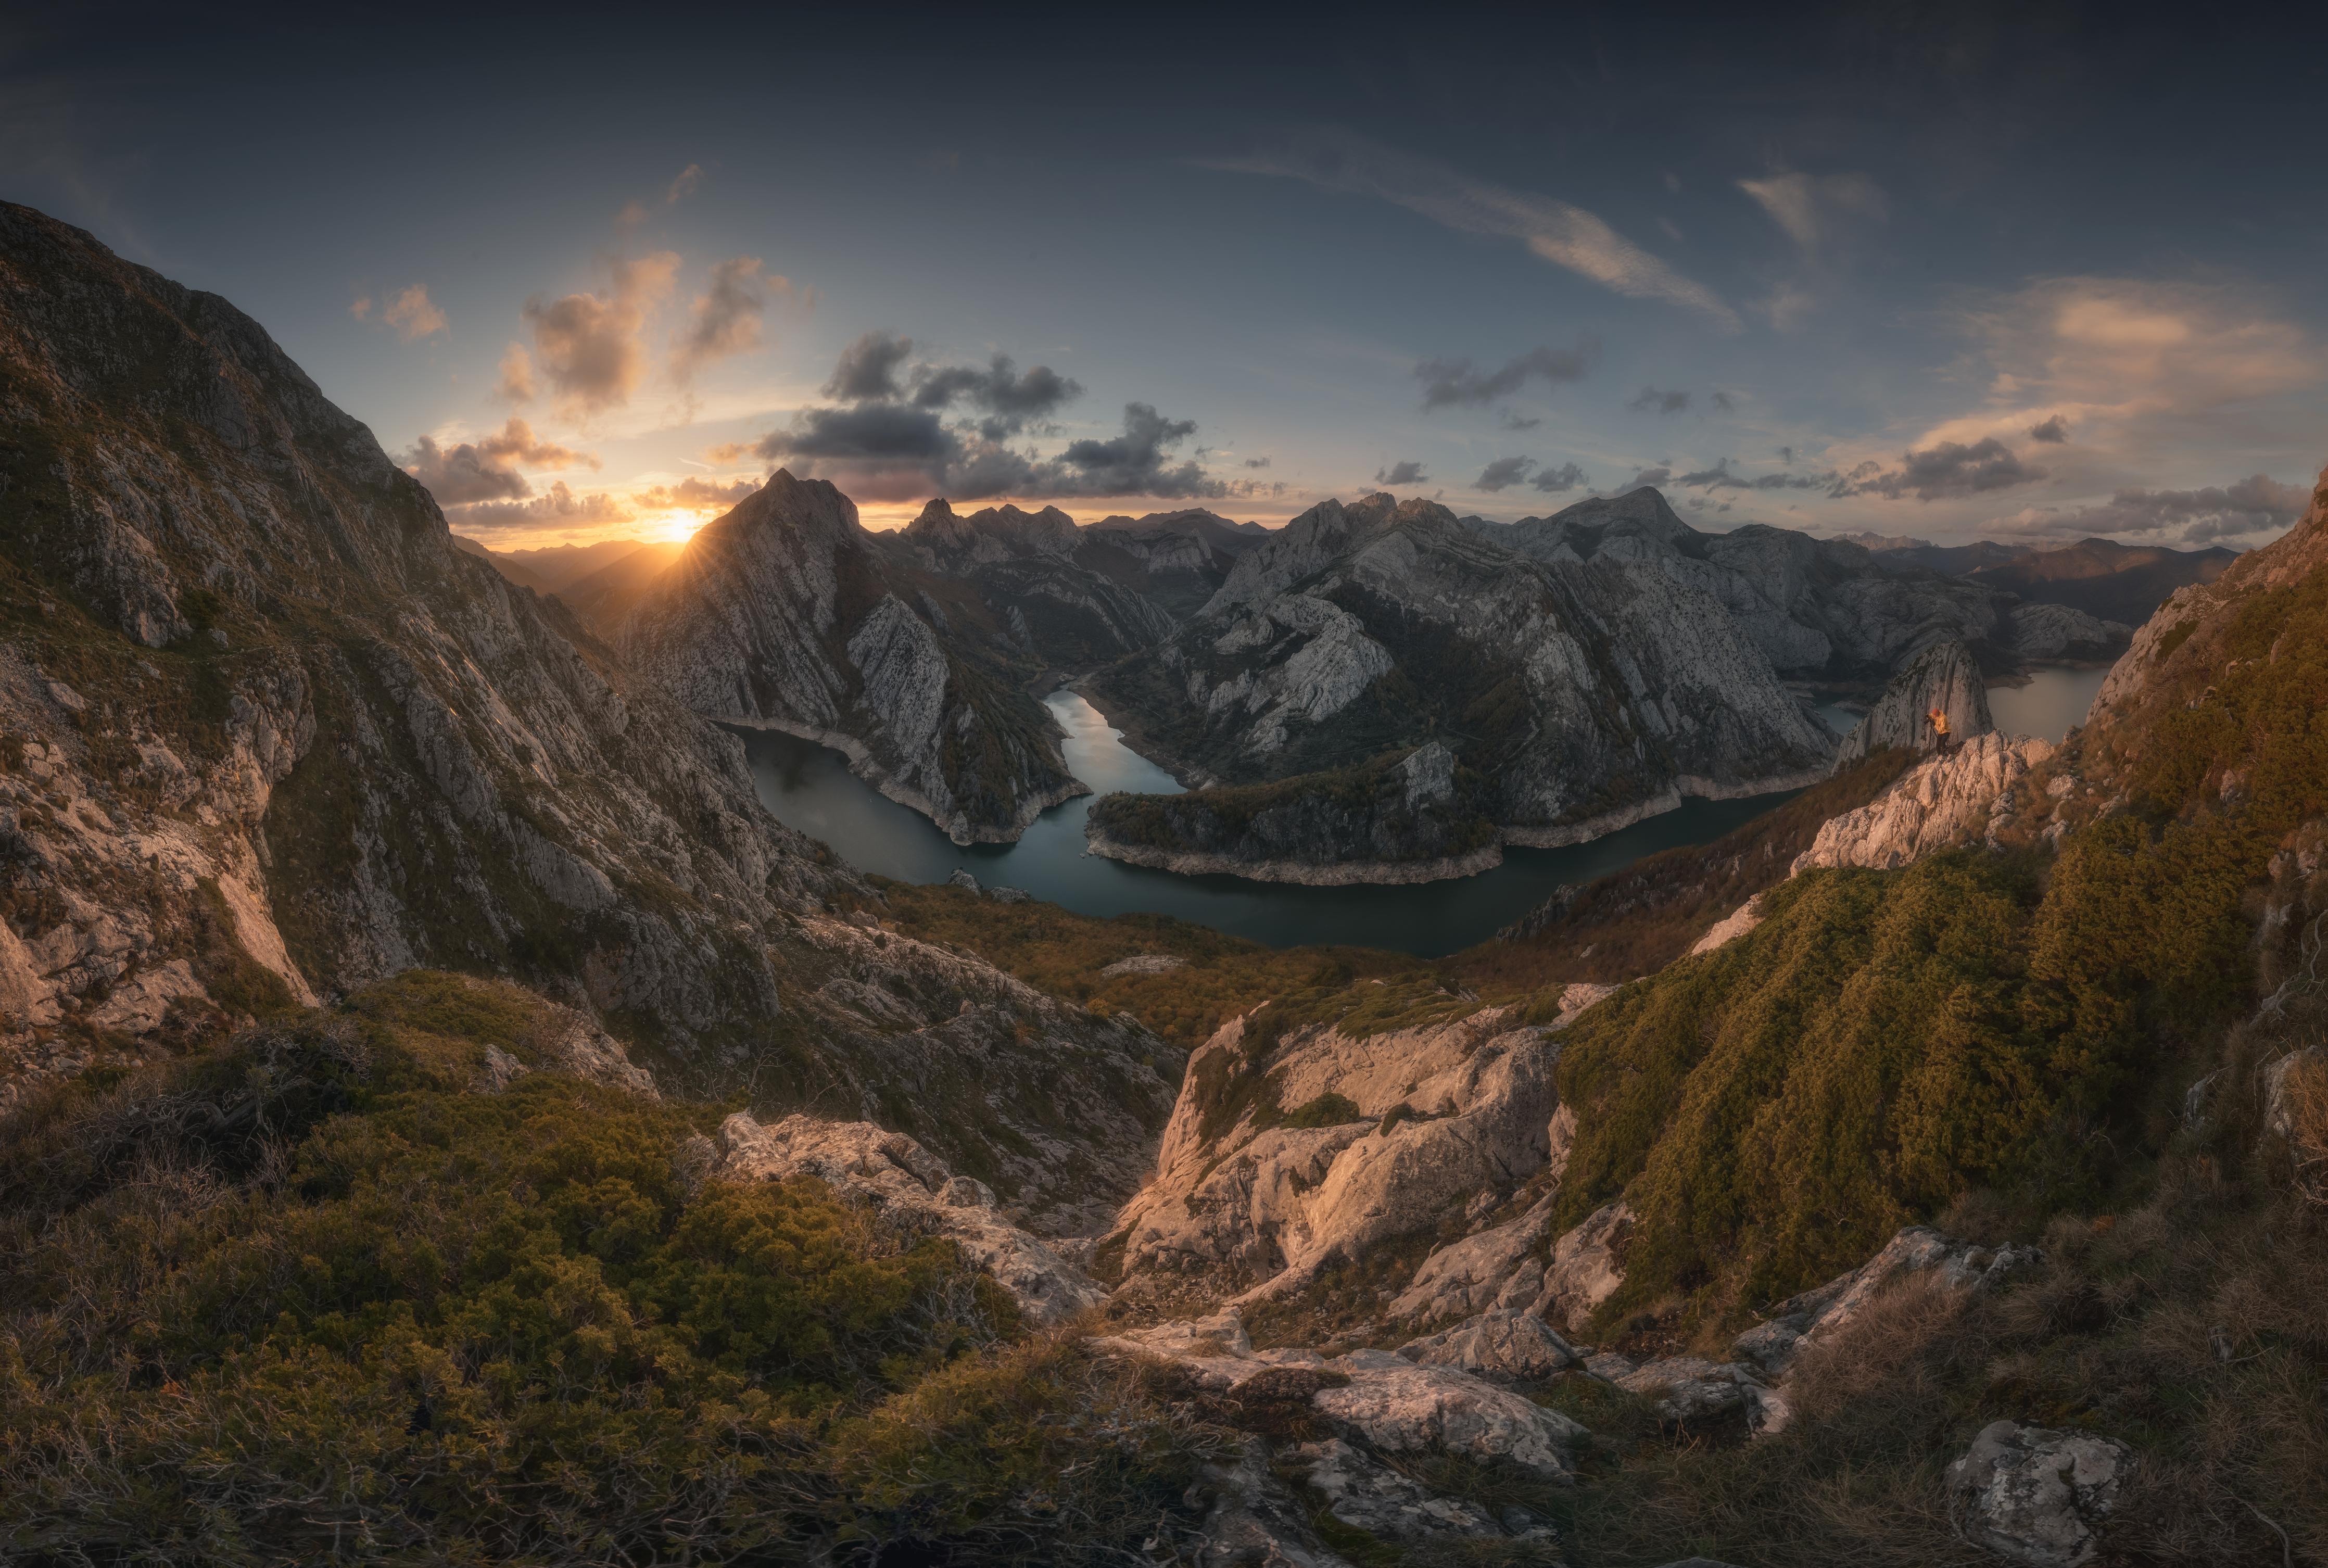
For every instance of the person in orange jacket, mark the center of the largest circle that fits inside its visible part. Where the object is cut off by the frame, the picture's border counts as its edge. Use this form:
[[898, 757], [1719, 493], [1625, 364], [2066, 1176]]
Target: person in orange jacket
[[1939, 730]]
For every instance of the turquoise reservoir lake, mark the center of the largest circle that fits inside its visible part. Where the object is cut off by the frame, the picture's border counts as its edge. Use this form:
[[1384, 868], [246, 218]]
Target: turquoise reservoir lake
[[809, 787]]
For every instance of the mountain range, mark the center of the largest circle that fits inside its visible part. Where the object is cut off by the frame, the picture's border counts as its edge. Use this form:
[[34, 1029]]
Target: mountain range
[[443, 1117]]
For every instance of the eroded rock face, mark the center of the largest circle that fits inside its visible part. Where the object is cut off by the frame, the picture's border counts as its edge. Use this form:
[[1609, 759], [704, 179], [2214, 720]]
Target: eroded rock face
[[1275, 1204], [787, 612], [1627, 688], [1943, 675], [1502, 1345], [2060, 632], [913, 1190], [2036, 1497], [1369, 1496], [1690, 1391], [1586, 1266], [1940, 804]]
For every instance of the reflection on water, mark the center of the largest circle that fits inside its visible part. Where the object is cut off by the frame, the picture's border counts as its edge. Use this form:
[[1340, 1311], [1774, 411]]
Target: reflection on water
[[811, 788], [2053, 703]]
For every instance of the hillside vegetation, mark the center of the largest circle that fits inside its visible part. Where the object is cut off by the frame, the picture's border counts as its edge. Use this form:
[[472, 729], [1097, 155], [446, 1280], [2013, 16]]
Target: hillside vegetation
[[319, 1297]]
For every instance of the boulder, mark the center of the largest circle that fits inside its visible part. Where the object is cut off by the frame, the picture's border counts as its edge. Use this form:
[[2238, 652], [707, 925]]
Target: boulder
[[913, 1190], [1384, 1400], [1255, 1520], [1467, 1276], [1401, 1408], [1586, 1266], [2034, 1496], [1502, 1346], [1692, 1391], [1369, 1496]]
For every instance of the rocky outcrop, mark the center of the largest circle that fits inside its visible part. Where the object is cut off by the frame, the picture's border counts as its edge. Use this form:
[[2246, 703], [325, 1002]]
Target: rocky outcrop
[[2036, 1497], [1810, 606], [1249, 1189], [1386, 1401], [787, 613], [914, 1193], [1916, 1252], [1690, 1391], [1942, 803], [1502, 1345], [1419, 818], [2059, 631], [271, 736], [1586, 1266], [1585, 691], [1945, 675]]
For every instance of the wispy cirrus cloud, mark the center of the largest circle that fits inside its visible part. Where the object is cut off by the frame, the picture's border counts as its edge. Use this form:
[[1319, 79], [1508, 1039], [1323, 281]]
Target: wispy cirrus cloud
[[1557, 231]]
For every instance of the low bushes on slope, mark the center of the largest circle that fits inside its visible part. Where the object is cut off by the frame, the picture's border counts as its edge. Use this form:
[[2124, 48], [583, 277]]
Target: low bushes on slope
[[1886, 1040], [315, 1298]]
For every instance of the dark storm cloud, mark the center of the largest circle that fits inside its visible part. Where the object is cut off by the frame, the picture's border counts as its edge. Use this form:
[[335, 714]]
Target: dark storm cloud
[[1951, 468], [1256, 463], [867, 432], [1648, 476], [1555, 481], [868, 369], [1140, 462], [1503, 474], [1405, 471], [1011, 400], [1458, 383], [2053, 429], [1652, 402]]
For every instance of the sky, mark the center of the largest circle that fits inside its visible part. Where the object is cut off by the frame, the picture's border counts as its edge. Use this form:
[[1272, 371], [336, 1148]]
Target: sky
[[2024, 272]]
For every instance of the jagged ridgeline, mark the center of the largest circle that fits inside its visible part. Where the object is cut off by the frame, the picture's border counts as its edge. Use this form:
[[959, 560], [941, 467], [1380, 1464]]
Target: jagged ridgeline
[[269, 735]]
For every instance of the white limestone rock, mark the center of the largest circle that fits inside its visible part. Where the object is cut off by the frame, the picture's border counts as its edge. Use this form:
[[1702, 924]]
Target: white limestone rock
[[1942, 803], [1469, 1275], [1689, 1390], [1586, 1266], [1943, 675], [1400, 1407], [1819, 1315], [1370, 1496], [911, 1188], [2035, 1496], [1502, 1345]]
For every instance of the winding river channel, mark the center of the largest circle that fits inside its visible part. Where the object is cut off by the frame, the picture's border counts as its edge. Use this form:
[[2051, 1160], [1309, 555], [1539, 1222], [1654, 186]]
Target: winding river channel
[[811, 788]]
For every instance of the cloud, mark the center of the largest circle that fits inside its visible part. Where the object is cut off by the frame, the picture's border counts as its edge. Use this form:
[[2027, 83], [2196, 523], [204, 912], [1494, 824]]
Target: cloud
[[1652, 402], [1256, 463], [1816, 210], [889, 439], [517, 374], [725, 319], [1948, 469], [559, 504], [1724, 401], [1512, 421], [694, 494], [1137, 462], [1404, 471], [1648, 476], [683, 184], [1556, 480], [592, 347], [1719, 477], [1564, 235], [2257, 504], [1503, 474], [1012, 401], [867, 368], [487, 469], [412, 315], [360, 308], [2055, 430], [1456, 383]]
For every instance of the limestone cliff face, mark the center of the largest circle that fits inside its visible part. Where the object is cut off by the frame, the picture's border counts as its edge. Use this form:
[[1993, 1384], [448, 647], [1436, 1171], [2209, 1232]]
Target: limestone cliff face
[[266, 735], [1940, 804], [1943, 675], [1589, 692], [786, 613]]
